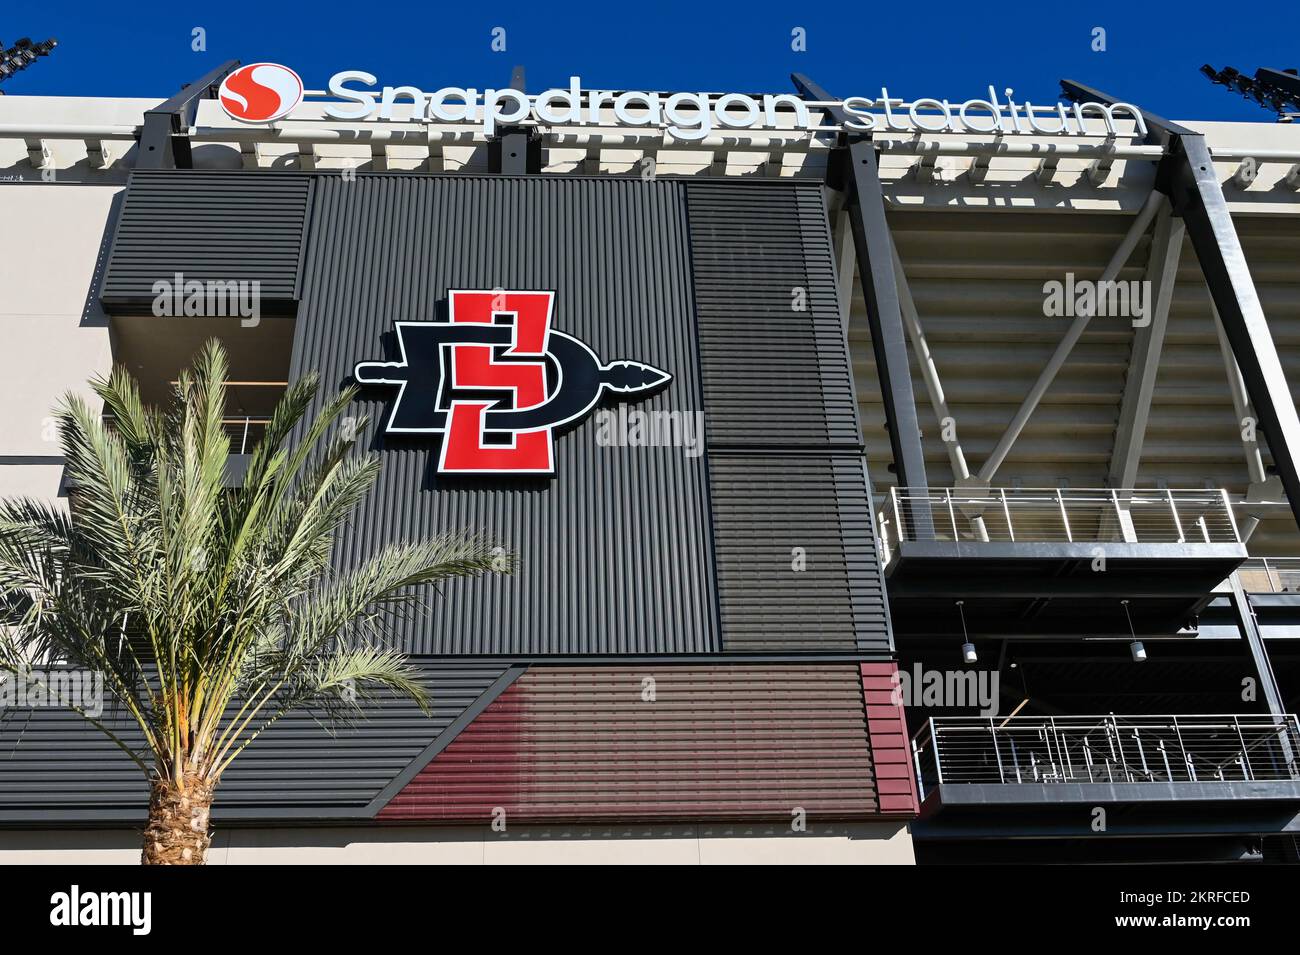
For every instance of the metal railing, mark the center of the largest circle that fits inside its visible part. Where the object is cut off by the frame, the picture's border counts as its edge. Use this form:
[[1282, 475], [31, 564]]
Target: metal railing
[[1271, 575], [1040, 751], [244, 431], [1066, 515]]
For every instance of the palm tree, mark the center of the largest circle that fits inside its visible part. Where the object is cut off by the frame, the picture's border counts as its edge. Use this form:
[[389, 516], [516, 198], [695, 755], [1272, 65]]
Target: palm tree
[[211, 611]]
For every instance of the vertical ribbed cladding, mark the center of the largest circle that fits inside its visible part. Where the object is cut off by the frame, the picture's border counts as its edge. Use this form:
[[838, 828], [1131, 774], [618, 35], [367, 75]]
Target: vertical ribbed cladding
[[57, 767], [578, 744], [796, 551], [614, 551], [772, 348], [209, 226], [797, 563]]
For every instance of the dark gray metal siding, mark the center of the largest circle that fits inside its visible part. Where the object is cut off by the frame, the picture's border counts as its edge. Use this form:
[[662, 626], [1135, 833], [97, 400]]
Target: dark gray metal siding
[[57, 767], [765, 506], [209, 226], [784, 442], [773, 353], [614, 551]]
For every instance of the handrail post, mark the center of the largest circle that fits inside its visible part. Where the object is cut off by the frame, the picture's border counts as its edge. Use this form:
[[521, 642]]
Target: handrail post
[[899, 531], [243, 444], [997, 752], [1173, 509], [938, 762], [1065, 518], [1245, 756], [1182, 748], [1232, 518], [952, 514], [1011, 531], [916, 768]]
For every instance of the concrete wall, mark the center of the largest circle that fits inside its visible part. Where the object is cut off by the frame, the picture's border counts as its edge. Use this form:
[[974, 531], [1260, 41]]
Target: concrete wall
[[881, 843], [55, 335]]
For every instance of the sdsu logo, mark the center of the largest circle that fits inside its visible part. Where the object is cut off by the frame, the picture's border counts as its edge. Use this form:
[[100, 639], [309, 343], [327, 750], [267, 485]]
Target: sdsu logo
[[260, 92], [496, 381]]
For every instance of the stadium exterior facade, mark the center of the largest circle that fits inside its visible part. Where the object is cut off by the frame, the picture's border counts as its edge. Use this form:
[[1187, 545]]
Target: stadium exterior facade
[[903, 480]]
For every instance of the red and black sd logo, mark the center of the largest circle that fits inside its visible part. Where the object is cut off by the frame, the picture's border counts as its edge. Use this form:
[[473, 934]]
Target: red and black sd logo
[[496, 381]]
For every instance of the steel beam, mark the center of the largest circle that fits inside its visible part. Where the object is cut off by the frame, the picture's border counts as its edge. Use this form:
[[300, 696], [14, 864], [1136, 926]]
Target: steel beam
[[1261, 486], [1249, 628], [1148, 342], [929, 371], [1186, 174], [517, 150], [1137, 228], [865, 204], [163, 140]]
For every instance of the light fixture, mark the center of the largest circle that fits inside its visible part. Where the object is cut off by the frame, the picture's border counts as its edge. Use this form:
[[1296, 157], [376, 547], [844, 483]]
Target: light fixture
[[22, 54], [1135, 649], [968, 653]]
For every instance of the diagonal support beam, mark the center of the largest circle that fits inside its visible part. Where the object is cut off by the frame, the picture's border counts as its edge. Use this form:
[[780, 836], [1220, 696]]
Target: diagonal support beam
[[929, 371], [1072, 335], [865, 204], [1195, 188], [1148, 342], [1240, 403], [1187, 175]]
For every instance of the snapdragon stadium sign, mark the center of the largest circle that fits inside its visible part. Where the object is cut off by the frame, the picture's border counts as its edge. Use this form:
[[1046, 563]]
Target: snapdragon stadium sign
[[266, 92]]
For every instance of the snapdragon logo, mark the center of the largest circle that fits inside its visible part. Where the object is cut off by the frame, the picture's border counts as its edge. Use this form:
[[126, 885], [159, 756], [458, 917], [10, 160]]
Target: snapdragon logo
[[210, 299], [76, 908], [260, 92], [959, 689]]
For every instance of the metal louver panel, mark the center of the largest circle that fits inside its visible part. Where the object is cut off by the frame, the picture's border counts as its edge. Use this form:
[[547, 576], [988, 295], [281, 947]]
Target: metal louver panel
[[773, 355], [797, 562], [614, 551], [569, 744], [57, 767], [209, 226], [793, 535]]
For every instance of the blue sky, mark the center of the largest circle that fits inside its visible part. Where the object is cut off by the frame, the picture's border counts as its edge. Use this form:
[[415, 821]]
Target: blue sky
[[918, 48]]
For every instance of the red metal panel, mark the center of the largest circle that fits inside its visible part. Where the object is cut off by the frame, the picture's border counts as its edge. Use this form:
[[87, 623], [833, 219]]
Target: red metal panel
[[657, 743], [891, 749]]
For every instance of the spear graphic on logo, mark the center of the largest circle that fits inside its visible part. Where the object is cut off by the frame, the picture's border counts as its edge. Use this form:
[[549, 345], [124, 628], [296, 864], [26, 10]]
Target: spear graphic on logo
[[426, 394]]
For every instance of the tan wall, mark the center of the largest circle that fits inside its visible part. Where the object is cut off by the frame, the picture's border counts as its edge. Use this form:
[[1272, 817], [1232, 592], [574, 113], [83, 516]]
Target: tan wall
[[883, 843], [55, 335]]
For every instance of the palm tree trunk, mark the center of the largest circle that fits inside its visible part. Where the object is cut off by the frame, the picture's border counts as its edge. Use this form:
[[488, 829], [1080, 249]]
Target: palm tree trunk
[[177, 832]]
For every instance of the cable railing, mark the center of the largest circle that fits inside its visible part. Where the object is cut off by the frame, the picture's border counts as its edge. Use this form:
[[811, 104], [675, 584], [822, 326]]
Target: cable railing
[[1271, 575], [1047, 750], [1064, 515], [244, 431]]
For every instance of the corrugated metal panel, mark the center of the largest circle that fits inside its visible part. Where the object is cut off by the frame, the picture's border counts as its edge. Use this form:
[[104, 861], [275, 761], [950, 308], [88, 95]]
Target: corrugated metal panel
[[891, 747], [772, 350], [209, 226], [778, 378], [55, 766], [568, 744], [796, 554], [614, 551]]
